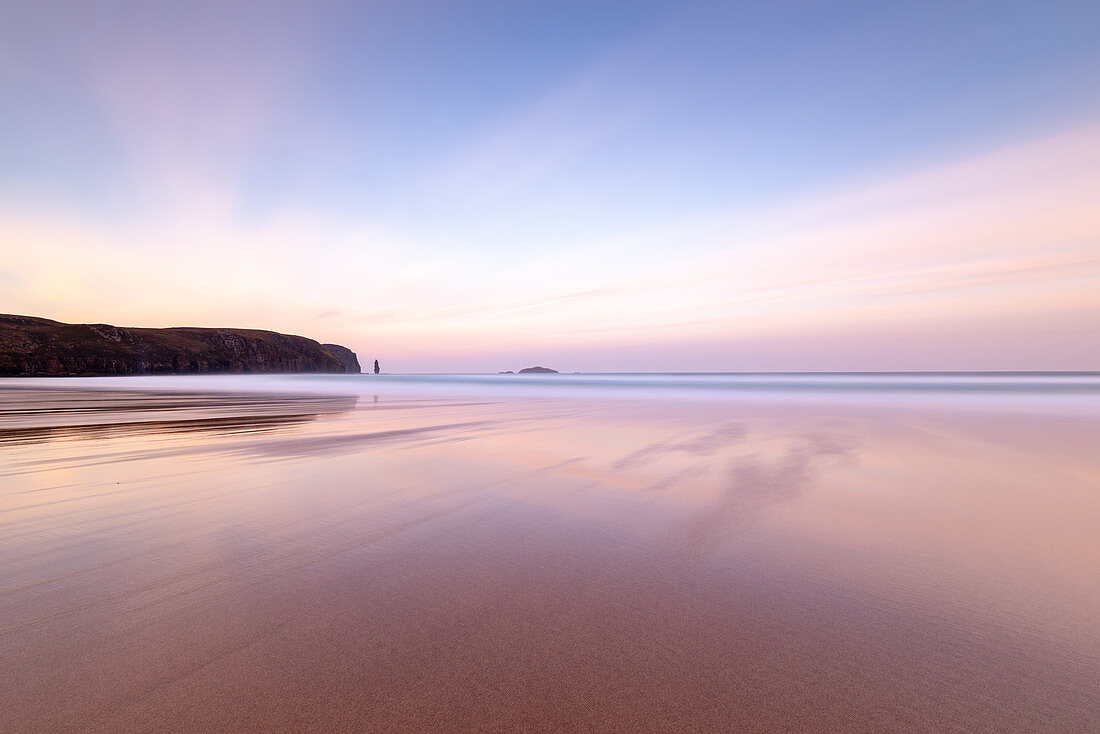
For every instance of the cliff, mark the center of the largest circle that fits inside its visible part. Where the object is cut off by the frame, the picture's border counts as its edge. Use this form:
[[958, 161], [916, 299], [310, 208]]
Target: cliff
[[32, 346], [345, 355]]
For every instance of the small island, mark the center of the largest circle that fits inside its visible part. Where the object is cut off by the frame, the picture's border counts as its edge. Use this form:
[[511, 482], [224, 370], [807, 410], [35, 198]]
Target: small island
[[537, 371]]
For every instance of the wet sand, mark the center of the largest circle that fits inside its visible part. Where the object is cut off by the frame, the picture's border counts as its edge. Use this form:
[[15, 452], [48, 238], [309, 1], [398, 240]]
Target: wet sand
[[276, 561]]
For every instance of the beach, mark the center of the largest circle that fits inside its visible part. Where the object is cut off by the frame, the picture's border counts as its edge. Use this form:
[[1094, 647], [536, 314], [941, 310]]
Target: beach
[[560, 553]]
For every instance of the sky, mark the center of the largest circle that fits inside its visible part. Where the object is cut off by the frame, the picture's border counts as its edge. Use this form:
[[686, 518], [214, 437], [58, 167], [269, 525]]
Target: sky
[[592, 186]]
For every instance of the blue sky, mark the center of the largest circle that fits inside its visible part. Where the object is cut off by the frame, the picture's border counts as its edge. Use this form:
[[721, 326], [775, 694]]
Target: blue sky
[[463, 185]]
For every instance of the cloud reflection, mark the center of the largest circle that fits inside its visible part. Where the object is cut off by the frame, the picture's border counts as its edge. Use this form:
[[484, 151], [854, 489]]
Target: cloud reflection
[[760, 480]]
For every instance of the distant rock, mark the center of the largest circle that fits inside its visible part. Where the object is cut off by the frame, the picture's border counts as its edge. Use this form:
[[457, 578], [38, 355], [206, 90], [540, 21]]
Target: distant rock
[[506, 372], [537, 371], [34, 346], [345, 355]]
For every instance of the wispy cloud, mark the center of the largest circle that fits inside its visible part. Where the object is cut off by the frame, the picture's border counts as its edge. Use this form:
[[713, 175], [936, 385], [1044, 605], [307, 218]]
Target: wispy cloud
[[1011, 231]]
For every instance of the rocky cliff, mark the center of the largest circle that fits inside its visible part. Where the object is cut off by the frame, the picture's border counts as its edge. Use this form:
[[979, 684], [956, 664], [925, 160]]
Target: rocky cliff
[[33, 346], [345, 355]]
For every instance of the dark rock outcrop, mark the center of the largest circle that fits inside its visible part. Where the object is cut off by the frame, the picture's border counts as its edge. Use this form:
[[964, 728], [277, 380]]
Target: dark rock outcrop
[[537, 371], [345, 355], [32, 346]]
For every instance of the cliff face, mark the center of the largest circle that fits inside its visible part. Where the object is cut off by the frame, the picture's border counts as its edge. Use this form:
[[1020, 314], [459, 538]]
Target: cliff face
[[345, 355], [33, 346]]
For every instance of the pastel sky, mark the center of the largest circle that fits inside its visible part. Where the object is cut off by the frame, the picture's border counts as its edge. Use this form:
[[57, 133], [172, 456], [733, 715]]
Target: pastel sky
[[594, 186]]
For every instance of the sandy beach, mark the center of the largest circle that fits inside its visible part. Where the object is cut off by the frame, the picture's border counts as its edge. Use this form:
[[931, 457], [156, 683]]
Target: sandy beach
[[424, 557]]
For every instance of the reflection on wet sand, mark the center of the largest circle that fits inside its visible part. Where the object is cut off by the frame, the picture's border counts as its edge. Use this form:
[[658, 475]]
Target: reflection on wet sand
[[228, 562], [30, 416], [755, 482]]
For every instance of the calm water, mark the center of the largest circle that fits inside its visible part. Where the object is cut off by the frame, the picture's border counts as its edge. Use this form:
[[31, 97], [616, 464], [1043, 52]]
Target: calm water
[[566, 553]]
